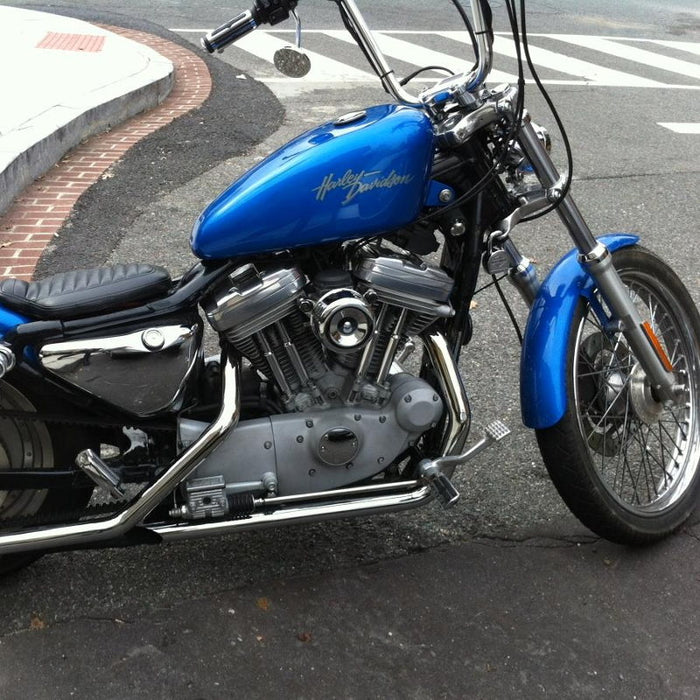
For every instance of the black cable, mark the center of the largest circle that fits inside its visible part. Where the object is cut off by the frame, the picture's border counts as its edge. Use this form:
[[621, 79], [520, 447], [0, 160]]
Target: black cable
[[511, 315], [497, 164], [410, 77], [557, 119], [467, 23], [494, 280]]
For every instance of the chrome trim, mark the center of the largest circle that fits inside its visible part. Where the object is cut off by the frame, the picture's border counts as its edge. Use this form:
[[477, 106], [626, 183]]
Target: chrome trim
[[370, 505], [144, 372], [455, 132], [373, 489], [458, 419], [100, 472], [7, 360], [80, 534], [597, 255]]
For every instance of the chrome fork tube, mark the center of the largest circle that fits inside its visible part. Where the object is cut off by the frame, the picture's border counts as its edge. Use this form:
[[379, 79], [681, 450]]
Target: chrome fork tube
[[596, 258], [79, 534]]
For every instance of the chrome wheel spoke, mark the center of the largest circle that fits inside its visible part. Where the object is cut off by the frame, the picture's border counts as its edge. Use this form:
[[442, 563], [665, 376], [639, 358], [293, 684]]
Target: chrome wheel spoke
[[641, 450]]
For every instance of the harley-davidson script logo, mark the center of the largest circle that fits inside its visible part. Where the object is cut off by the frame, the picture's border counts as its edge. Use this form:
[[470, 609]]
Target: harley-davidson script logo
[[355, 184]]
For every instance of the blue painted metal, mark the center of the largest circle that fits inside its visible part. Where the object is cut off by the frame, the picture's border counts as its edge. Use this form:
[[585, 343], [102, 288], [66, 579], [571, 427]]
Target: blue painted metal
[[9, 320], [333, 183], [435, 188], [543, 360]]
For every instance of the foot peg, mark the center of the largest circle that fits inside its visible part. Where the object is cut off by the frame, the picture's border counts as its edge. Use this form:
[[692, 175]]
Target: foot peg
[[100, 473], [431, 470], [443, 488]]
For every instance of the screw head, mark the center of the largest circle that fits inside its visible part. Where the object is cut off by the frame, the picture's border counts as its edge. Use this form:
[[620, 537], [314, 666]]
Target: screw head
[[445, 195], [300, 439]]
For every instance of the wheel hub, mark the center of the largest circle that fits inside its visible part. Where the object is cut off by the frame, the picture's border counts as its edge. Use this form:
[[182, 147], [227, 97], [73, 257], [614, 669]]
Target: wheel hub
[[645, 406]]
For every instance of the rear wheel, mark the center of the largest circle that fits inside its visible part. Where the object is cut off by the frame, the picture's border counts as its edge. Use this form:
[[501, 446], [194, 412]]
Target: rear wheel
[[627, 465], [29, 444]]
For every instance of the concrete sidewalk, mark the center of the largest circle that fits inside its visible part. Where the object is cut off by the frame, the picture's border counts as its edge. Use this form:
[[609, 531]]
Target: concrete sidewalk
[[63, 80]]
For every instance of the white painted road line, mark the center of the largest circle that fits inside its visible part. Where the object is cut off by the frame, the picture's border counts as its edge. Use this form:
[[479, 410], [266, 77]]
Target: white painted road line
[[682, 127], [545, 58], [420, 56], [690, 46], [323, 69], [631, 53], [335, 72]]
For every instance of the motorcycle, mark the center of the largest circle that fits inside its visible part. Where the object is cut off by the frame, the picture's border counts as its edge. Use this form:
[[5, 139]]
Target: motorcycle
[[316, 270]]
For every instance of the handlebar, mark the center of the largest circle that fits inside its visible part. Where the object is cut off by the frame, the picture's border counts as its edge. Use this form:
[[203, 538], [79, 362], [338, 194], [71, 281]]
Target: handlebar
[[274, 11], [263, 12]]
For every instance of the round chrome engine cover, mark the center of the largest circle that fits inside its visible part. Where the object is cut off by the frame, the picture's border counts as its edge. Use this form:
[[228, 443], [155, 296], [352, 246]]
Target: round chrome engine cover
[[342, 320], [338, 447]]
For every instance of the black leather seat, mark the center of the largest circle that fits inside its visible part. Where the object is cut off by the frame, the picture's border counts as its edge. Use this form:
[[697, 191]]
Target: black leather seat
[[79, 293]]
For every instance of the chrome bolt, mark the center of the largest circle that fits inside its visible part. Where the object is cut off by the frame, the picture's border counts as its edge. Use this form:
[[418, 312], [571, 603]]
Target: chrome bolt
[[445, 196], [458, 228]]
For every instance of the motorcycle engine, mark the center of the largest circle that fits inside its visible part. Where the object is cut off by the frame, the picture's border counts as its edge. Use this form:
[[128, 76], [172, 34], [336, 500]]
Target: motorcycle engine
[[328, 344]]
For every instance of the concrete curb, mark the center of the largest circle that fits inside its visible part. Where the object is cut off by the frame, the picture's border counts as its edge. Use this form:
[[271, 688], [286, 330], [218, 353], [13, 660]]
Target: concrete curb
[[34, 147], [37, 214]]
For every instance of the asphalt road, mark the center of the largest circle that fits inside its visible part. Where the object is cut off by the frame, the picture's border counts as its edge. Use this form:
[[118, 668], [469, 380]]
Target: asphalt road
[[631, 175]]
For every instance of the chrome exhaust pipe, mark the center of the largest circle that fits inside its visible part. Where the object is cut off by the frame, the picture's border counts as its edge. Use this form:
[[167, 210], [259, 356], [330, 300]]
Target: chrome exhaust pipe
[[357, 501], [81, 534], [352, 502], [302, 513]]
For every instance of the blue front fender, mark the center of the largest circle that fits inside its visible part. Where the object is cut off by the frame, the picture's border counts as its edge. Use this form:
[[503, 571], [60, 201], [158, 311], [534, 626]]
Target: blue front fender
[[543, 361]]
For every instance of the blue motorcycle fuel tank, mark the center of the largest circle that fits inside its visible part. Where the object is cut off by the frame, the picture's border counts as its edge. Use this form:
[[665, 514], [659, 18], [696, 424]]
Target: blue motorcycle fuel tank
[[363, 174]]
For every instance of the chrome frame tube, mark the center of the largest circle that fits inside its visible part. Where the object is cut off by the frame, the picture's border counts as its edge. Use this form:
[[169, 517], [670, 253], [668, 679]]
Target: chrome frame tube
[[80, 534]]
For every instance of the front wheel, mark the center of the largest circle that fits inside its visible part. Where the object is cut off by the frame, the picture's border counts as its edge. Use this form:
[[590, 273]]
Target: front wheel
[[627, 465]]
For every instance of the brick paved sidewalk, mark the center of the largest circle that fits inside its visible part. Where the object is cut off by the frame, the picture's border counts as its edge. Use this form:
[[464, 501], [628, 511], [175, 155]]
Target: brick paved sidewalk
[[34, 219]]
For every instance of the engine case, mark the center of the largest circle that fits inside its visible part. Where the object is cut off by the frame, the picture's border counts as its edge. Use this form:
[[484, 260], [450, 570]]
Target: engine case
[[328, 450]]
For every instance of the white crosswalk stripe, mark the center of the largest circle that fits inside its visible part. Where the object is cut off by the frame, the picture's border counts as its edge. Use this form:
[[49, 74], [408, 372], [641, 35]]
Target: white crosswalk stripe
[[410, 52], [589, 72], [632, 53], [561, 59], [264, 44], [681, 127]]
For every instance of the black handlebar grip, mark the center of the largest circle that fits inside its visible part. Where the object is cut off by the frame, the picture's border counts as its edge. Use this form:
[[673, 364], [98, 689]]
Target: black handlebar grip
[[234, 29], [262, 12]]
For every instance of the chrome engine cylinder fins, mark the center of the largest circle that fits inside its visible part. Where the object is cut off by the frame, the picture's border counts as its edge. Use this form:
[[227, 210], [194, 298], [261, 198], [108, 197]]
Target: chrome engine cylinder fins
[[342, 320], [400, 281], [250, 300]]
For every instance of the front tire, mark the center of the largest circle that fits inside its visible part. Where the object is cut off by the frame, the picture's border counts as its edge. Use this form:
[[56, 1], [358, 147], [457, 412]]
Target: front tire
[[626, 465]]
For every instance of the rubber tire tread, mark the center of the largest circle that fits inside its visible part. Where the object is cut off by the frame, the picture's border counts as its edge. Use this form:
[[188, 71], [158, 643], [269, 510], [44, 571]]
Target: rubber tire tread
[[566, 456]]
